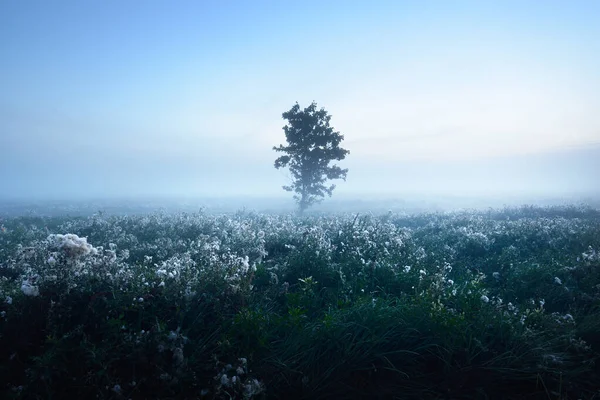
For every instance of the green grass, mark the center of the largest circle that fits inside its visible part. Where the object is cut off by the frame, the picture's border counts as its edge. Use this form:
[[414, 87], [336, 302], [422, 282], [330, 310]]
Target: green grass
[[326, 307]]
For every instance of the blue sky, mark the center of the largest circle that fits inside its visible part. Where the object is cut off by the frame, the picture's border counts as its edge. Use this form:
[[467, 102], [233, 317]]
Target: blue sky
[[113, 98]]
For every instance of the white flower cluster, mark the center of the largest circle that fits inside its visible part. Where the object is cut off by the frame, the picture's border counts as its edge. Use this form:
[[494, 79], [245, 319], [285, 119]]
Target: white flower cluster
[[563, 319], [236, 380], [475, 237], [29, 289], [591, 255], [71, 245]]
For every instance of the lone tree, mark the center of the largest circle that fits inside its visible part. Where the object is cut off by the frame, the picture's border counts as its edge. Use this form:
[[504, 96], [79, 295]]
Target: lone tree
[[312, 145]]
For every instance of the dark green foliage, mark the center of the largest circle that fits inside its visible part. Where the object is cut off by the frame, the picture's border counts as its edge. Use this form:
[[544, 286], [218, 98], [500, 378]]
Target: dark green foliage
[[333, 311]]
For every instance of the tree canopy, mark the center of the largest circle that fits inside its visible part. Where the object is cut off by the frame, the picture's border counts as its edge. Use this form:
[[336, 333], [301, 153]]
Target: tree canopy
[[312, 144]]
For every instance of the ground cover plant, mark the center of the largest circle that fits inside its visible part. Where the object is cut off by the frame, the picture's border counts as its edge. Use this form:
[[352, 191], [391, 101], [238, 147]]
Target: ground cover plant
[[501, 304]]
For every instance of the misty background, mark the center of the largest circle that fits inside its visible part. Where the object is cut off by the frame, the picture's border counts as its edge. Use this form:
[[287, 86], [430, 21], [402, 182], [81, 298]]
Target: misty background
[[164, 100]]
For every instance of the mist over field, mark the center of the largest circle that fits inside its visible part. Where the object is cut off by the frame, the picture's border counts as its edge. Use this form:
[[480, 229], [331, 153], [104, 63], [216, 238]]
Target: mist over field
[[162, 166], [463, 100]]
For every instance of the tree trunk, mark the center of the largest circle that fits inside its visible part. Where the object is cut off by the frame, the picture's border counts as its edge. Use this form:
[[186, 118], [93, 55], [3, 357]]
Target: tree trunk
[[303, 204]]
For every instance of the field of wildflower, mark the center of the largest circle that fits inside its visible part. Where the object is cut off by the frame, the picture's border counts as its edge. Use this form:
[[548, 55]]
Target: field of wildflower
[[496, 304]]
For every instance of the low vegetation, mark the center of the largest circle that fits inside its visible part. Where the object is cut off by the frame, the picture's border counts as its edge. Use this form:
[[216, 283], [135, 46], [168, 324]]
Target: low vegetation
[[503, 304]]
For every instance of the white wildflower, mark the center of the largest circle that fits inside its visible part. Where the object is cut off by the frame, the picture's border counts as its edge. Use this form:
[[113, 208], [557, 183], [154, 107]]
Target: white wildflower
[[224, 380], [72, 245], [252, 388], [178, 356], [568, 318], [557, 280], [29, 290]]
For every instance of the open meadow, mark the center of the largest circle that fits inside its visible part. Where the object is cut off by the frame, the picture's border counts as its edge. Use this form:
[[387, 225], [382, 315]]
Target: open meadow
[[496, 304]]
